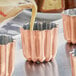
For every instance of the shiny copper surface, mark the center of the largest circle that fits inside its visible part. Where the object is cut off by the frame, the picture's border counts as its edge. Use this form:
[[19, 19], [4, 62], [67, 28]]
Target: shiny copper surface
[[23, 68], [39, 45], [69, 27], [7, 59]]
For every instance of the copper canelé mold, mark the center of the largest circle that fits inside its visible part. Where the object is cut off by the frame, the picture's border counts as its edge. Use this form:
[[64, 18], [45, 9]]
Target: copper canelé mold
[[6, 55], [69, 25], [41, 43]]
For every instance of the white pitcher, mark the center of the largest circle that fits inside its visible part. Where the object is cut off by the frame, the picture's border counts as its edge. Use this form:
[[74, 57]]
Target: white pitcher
[[11, 8]]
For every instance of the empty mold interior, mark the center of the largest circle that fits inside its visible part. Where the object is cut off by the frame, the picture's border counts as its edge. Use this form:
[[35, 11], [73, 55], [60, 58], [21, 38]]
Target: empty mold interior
[[71, 12], [40, 26], [5, 40]]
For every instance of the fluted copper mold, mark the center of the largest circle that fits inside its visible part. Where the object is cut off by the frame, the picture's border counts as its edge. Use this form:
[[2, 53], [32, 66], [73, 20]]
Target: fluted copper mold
[[73, 61], [41, 43], [69, 25], [6, 55]]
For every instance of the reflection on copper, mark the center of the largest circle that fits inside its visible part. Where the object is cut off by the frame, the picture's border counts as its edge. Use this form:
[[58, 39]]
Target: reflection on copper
[[41, 69], [39, 45], [6, 55], [69, 25]]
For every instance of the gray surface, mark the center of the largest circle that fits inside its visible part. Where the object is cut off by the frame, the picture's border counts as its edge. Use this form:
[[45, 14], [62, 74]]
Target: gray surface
[[42, 16], [12, 27], [59, 67]]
